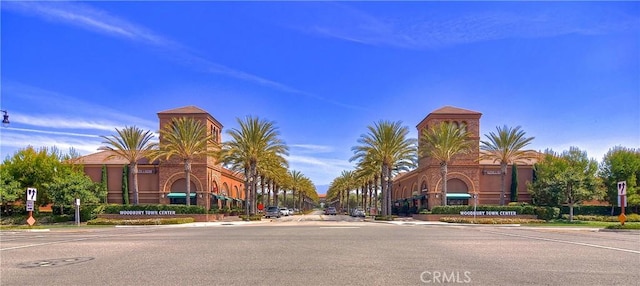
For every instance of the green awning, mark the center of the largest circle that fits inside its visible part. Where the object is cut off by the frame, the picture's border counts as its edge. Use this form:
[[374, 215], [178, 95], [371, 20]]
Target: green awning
[[458, 196], [180, 195]]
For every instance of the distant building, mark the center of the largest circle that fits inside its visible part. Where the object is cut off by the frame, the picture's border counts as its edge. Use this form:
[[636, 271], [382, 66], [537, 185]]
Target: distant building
[[164, 182], [467, 177]]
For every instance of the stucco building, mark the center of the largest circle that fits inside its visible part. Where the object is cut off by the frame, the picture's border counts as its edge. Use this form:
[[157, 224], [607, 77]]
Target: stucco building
[[164, 181], [469, 180]]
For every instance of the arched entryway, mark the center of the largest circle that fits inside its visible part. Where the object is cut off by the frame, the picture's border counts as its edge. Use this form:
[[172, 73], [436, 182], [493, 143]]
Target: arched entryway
[[457, 192], [178, 195]]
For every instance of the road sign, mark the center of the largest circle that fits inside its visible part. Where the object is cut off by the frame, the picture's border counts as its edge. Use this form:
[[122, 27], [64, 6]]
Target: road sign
[[622, 202], [622, 218], [31, 194], [622, 188], [30, 206]]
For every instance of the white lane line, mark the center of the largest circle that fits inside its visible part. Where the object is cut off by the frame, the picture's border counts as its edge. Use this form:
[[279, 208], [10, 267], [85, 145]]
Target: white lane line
[[566, 241], [46, 243], [339, 227]]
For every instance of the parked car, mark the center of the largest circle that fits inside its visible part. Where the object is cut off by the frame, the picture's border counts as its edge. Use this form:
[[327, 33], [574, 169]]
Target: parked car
[[292, 212], [330, 211], [284, 211], [357, 213], [272, 212]]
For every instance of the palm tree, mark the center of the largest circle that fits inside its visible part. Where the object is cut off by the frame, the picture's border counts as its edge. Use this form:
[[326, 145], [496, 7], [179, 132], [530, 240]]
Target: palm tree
[[131, 144], [387, 145], [255, 140], [296, 178], [441, 143], [506, 147], [186, 138]]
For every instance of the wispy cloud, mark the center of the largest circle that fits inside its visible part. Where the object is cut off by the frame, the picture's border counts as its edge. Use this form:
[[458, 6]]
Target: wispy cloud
[[323, 170], [89, 18], [437, 31], [310, 148], [40, 103]]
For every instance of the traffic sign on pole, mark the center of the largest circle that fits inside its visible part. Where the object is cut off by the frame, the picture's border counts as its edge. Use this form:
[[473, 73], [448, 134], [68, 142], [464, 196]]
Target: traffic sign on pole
[[31, 194]]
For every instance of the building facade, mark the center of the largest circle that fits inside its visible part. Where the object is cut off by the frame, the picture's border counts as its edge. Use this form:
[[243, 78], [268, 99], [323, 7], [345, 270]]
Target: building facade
[[164, 181], [469, 180]]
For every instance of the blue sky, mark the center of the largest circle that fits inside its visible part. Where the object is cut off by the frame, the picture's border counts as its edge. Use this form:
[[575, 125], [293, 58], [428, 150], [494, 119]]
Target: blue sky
[[567, 72]]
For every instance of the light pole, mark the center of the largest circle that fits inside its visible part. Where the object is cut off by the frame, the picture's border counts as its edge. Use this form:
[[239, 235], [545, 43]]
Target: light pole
[[5, 118]]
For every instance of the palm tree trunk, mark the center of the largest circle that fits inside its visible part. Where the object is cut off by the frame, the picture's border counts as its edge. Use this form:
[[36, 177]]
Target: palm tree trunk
[[264, 198], [187, 173], [385, 191], [134, 173], [443, 173], [503, 178]]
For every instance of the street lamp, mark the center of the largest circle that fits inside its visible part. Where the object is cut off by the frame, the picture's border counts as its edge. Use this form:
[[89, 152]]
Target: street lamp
[[5, 118]]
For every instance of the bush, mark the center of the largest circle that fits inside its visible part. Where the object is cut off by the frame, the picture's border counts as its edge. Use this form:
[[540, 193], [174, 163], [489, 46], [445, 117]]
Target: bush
[[251, 217], [490, 220], [521, 210], [594, 210], [179, 209], [547, 213], [384, 218], [630, 218], [158, 221]]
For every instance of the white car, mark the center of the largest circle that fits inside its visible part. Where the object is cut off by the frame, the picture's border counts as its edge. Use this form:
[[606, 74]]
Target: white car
[[284, 211]]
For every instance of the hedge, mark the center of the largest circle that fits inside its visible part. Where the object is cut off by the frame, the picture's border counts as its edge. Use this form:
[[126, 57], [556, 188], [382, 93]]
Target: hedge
[[524, 210], [486, 220], [150, 221], [595, 210], [179, 209]]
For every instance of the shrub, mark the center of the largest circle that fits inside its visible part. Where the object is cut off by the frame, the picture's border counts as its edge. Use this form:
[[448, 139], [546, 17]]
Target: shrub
[[630, 218], [383, 218], [490, 220], [524, 210], [153, 221], [179, 209], [251, 217], [547, 213]]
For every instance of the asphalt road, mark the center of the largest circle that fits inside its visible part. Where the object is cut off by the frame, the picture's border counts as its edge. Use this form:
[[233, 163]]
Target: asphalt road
[[319, 250]]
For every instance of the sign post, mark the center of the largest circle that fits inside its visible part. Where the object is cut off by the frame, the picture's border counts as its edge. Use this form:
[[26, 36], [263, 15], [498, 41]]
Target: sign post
[[77, 203], [31, 199], [622, 196]]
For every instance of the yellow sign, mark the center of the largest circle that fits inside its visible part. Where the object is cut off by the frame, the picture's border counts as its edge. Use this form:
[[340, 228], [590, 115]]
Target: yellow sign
[[622, 218]]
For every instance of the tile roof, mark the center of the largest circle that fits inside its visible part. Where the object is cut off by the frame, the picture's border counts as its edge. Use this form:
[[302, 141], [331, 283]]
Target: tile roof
[[191, 109], [453, 110], [101, 158]]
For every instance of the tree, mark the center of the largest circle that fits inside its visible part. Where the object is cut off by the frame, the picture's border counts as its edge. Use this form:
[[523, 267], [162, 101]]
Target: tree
[[387, 144], [621, 164], [506, 147], [10, 189], [104, 182], [186, 138], [32, 168], [131, 144], [514, 183], [254, 141], [125, 184], [73, 184], [442, 142], [568, 178]]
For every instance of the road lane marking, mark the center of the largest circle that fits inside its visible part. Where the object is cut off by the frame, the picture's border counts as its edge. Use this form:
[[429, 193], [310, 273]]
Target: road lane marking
[[46, 243], [340, 227], [566, 241]]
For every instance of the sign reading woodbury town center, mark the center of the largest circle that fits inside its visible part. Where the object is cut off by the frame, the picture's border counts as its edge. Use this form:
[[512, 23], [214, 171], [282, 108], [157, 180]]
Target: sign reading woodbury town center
[[494, 213], [147, 212]]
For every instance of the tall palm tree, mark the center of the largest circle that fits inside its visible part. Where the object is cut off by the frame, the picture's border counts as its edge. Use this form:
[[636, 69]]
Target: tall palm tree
[[187, 139], [131, 144], [296, 178], [388, 145], [442, 142], [251, 143], [506, 147]]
